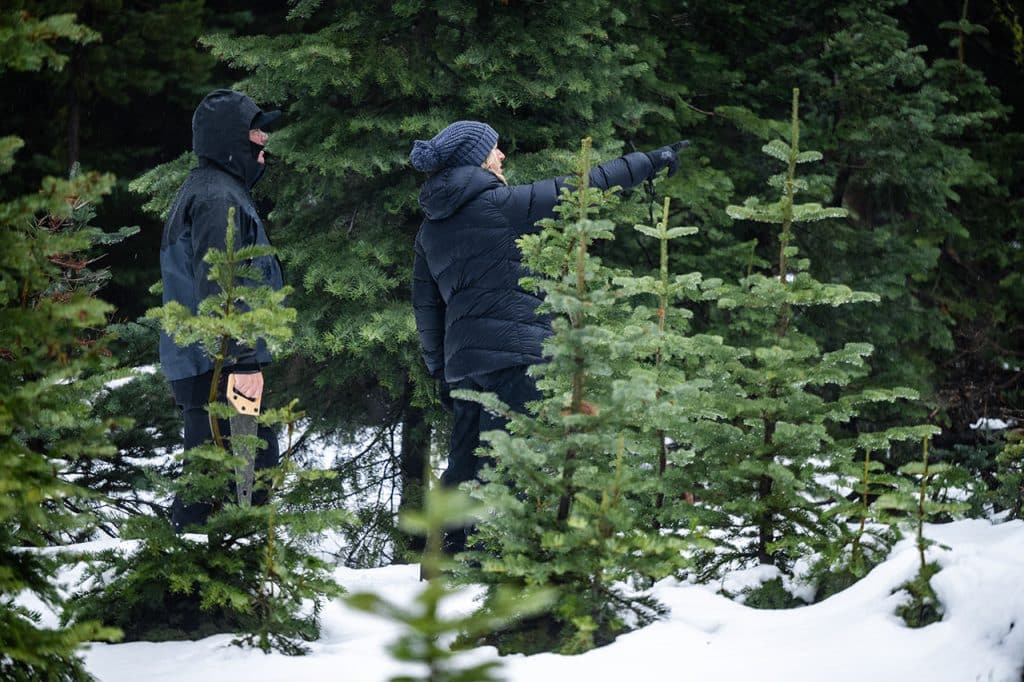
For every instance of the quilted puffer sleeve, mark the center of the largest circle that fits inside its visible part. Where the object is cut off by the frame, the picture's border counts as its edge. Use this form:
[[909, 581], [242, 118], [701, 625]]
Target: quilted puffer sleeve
[[209, 231], [429, 311], [524, 205]]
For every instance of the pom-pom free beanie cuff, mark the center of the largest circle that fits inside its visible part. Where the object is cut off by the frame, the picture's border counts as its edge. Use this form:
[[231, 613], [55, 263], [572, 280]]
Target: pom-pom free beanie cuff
[[463, 143]]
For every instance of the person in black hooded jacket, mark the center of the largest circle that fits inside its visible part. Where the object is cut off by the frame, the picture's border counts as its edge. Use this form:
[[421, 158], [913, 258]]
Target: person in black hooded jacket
[[478, 328], [228, 137]]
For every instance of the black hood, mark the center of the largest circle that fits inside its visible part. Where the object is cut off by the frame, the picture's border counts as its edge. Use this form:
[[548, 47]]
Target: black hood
[[220, 134], [446, 191]]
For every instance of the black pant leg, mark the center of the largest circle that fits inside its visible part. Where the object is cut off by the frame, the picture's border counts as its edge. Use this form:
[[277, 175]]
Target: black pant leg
[[192, 395], [462, 464], [513, 386]]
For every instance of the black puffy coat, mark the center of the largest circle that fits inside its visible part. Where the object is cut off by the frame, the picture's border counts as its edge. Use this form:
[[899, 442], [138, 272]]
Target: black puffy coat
[[198, 219], [471, 314]]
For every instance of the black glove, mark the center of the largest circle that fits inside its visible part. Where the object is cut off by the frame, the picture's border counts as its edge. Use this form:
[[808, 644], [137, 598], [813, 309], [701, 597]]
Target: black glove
[[444, 393], [666, 157]]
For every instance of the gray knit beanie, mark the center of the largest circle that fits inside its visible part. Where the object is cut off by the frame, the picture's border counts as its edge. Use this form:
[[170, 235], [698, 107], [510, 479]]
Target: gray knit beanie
[[463, 143]]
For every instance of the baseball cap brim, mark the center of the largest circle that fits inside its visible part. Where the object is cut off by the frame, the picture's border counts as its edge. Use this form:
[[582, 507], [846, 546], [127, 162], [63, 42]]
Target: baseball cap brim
[[265, 120]]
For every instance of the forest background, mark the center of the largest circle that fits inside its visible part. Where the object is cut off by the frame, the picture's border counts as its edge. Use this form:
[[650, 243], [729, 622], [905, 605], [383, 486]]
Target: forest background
[[916, 107]]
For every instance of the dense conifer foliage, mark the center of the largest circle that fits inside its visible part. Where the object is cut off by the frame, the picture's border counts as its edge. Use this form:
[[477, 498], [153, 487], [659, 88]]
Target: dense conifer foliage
[[251, 572], [570, 502], [52, 357], [796, 379]]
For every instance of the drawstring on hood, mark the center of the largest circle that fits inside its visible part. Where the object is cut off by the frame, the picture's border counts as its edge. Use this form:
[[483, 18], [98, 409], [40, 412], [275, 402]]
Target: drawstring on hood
[[220, 133]]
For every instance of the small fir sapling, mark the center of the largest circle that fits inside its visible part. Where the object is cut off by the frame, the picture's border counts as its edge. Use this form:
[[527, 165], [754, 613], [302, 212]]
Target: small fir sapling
[[570, 495], [429, 634], [1009, 495], [771, 472], [253, 572], [923, 606], [690, 400]]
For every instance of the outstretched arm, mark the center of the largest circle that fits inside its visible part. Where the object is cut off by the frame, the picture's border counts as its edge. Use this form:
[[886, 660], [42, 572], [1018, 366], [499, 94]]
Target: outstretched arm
[[524, 205]]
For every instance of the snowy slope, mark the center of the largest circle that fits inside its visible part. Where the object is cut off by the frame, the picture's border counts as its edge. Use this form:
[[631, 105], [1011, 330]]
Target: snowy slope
[[852, 636]]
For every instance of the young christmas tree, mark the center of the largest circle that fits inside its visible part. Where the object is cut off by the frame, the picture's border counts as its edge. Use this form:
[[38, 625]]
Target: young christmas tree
[[428, 635], [253, 572], [570, 499], [923, 606], [686, 369], [1009, 495], [779, 464]]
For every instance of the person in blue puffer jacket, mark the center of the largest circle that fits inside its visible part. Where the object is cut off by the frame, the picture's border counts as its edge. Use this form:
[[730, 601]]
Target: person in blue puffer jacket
[[478, 328], [228, 136]]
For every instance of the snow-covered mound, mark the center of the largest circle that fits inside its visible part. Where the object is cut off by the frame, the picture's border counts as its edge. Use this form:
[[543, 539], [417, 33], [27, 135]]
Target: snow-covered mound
[[852, 636]]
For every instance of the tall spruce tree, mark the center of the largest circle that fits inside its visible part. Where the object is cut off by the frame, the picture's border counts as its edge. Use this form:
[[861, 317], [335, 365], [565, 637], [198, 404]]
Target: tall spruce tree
[[51, 341]]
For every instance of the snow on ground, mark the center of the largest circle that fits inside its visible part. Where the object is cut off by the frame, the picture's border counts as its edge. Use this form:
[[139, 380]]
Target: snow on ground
[[135, 372], [851, 636]]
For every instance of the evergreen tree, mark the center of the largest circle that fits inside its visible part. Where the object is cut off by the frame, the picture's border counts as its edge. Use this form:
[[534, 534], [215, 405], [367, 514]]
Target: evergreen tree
[[112, 479], [427, 636], [252, 573], [923, 607], [570, 500], [769, 471], [865, 531], [50, 341], [687, 370], [1009, 495]]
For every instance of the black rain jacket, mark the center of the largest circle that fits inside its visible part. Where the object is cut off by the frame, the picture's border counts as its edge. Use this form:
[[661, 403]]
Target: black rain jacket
[[198, 220], [471, 314]]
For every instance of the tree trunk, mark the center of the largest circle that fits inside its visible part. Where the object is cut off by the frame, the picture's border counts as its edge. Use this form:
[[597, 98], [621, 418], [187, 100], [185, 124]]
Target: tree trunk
[[414, 459], [74, 111], [765, 533]]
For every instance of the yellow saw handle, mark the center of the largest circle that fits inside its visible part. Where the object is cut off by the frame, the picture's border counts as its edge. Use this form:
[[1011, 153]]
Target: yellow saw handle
[[243, 403]]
